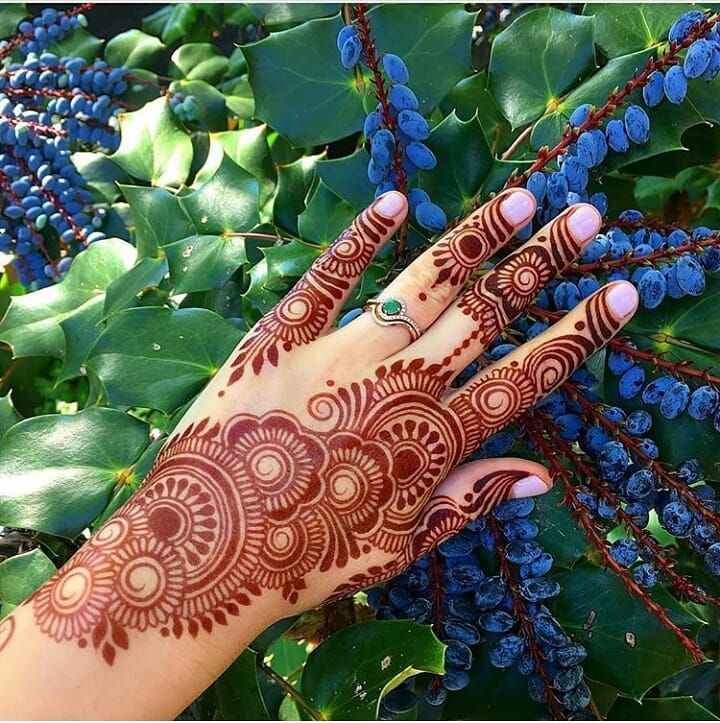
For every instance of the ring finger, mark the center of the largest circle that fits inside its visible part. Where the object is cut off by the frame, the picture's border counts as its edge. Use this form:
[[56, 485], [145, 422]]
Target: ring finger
[[433, 280]]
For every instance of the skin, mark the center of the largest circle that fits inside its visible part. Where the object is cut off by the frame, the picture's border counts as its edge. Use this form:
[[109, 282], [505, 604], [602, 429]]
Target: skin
[[319, 461]]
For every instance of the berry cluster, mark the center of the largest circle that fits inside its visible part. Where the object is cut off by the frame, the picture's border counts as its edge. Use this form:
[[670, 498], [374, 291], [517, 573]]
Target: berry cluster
[[185, 107], [50, 106], [395, 129]]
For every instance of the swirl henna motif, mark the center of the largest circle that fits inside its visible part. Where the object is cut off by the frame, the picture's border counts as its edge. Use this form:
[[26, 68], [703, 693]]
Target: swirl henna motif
[[302, 315]]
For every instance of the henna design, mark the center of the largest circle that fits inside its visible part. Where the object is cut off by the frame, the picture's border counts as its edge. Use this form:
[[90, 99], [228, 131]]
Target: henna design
[[303, 314], [497, 396], [461, 252]]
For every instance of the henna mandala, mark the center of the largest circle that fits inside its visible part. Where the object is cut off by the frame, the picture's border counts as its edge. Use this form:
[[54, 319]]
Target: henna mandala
[[306, 311], [461, 252]]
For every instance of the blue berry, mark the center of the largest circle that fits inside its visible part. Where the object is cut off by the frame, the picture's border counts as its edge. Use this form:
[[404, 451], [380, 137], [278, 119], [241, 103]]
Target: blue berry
[[689, 471], [416, 196], [613, 461], [413, 125], [683, 25], [677, 519], [638, 423], [624, 552], [645, 575], [576, 174], [557, 189], [702, 536], [396, 69], [506, 651], [421, 155], [703, 402], [640, 513], [616, 136], [455, 679], [373, 123], [536, 589], [351, 315], [712, 558], [566, 295], [496, 621], [490, 593], [350, 52], [383, 148], [653, 392], [568, 656], [347, 31], [677, 238], [640, 484], [537, 186], [697, 58], [652, 289], [430, 216], [690, 275], [631, 382], [580, 115], [550, 631], [675, 400], [569, 426], [402, 98], [653, 92], [675, 85], [637, 124]]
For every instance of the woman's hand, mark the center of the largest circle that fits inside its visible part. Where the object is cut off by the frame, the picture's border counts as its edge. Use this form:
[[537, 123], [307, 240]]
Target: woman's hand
[[319, 460]]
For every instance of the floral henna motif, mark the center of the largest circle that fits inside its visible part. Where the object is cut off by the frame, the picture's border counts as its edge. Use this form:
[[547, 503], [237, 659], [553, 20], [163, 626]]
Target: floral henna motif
[[462, 251], [306, 311]]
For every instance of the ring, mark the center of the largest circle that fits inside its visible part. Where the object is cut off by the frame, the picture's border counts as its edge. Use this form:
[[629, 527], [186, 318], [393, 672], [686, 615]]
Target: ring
[[392, 312]]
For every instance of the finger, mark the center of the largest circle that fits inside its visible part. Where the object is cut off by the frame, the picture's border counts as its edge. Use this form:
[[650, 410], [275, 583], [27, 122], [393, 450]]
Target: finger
[[484, 310], [501, 392], [310, 308], [471, 490], [433, 280]]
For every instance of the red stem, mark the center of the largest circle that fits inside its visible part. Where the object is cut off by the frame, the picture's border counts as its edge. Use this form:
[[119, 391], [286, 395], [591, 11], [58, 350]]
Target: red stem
[[681, 583], [591, 533], [615, 100]]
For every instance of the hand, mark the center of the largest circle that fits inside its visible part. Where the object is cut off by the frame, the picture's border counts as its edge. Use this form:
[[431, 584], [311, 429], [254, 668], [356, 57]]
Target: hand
[[319, 460]]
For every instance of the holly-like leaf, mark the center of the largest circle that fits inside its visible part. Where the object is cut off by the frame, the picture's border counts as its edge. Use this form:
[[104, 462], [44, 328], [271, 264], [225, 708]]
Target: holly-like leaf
[[237, 691], [199, 263], [32, 323], [275, 14], [325, 217], [346, 676], [464, 161], [294, 181], [101, 175], [538, 59], [597, 610], [22, 574], [133, 49], [10, 18], [627, 27], [159, 358], [154, 147], [682, 708], [559, 535], [198, 61], [57, 471], [146, 274], [347, 178]]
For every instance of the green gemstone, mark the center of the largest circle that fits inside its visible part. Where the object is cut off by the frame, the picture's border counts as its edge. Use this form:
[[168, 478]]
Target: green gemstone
[[391, 307]]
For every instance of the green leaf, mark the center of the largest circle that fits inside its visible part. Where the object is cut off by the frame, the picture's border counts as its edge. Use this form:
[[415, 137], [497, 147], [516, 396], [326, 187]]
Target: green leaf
[[8, 414], [22, 574], [325, 217], [101, 175], [347, 178], [198, 61], [287, 263], [154, 147], [597, 610], [464, 161], [158, 218], [471, 97], [199, 263], [12, 14], [146, 274], [596, 89], [237, 690], [300, 87], [32, 323], [57, 472], [537, 59], [133, 49], [626, 27], [227, 203], [250, 150], [680, 708], [345, 677], [184, 21], [274, 14], [81, 329], [159, 358], [559, 535], [294, 182]]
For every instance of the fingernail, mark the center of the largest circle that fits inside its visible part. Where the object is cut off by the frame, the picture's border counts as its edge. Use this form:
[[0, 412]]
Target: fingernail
[[390, 203], [518, 207], [528, 487], [623, 300], [584, 223]]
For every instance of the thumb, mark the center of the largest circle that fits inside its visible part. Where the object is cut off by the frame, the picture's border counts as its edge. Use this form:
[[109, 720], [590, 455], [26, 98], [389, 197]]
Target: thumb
[[471, 490]]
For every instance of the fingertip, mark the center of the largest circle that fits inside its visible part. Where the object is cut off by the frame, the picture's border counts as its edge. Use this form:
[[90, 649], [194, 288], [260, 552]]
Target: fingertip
[[518, 207], [392, 204], [530, 486], [584, 222], [623, 300]]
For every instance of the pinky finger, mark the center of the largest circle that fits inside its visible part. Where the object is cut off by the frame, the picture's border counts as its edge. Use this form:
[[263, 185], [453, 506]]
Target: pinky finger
[[471, 490]]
